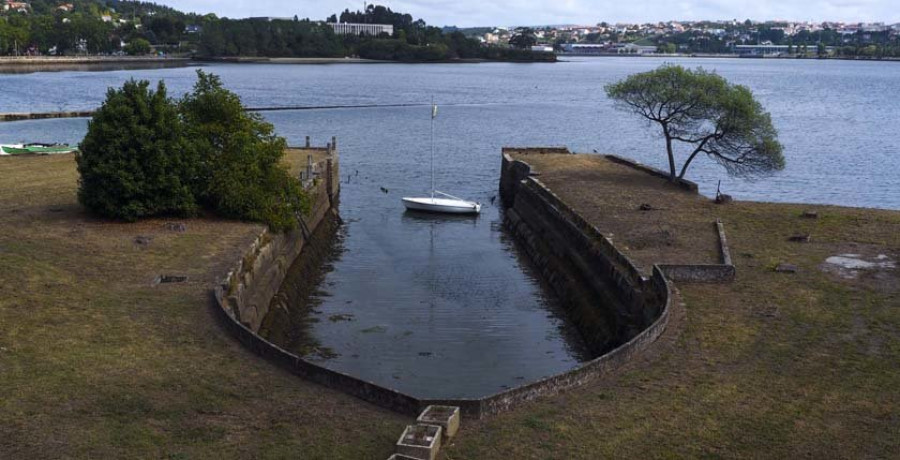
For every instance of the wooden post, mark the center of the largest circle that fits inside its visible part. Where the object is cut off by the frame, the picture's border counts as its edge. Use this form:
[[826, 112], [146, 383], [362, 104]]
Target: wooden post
[[309, 166]]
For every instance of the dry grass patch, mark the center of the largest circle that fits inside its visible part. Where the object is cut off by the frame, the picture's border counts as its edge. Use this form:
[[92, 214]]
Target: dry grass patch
[[97, 362], [677, 228]]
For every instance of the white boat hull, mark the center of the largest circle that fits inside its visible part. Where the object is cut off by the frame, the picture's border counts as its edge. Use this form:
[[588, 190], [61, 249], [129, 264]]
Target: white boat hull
[[444, 205]]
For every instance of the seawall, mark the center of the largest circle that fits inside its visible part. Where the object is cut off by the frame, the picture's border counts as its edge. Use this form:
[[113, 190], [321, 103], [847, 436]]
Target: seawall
[[247, 290], [606, 296]]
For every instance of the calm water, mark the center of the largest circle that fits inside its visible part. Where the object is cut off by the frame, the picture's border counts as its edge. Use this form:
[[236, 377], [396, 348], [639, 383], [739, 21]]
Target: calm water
[[445, 307]]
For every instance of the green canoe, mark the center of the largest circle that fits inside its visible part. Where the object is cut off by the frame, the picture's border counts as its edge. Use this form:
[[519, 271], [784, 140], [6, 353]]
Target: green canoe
[[35, 149]]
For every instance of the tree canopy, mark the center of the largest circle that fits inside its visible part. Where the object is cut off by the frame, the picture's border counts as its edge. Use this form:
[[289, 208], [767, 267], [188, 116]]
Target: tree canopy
[[135, 161], [240, 173], [146, 155], [706, 114]]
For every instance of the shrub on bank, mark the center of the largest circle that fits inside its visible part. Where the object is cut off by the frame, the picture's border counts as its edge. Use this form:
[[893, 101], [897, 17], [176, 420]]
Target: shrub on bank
[[240, 156], [135, 160], [147, 155]]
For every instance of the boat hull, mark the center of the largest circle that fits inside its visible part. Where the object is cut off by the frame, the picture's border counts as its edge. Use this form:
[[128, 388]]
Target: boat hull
[[35, 150], [441, 205]]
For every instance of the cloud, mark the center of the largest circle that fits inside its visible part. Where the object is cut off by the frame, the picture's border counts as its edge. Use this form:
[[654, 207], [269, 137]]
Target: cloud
[[540, 12]]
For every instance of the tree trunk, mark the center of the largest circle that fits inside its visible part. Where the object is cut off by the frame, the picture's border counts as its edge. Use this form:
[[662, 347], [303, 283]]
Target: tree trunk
[[672, 176], [691, 158], [688, 162]]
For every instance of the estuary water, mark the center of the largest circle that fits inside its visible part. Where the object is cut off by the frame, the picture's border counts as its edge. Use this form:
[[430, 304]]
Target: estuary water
[[446, 307]]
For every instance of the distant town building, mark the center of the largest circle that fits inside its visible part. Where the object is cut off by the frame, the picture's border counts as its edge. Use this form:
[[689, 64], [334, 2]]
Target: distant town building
[[66, 7], [542, 48], [270, 18], [349, 28], [585, 48], [22, 7], [772, 50], [631, 48]]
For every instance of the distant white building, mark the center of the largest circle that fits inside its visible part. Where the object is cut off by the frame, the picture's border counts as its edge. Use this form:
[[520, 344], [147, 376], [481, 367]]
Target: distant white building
[[542, 48], [586, 48], [349, 28], [631, 48]]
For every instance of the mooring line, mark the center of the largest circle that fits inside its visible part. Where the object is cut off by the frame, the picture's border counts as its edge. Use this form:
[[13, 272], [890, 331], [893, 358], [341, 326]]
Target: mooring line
[[88, 113]]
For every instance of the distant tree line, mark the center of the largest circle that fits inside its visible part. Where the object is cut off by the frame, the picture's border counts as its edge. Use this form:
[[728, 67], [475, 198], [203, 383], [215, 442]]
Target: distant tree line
[[412, 40], [114, 26]]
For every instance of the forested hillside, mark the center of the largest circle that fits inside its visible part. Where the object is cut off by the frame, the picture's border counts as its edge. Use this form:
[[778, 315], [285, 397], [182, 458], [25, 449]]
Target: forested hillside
[[102, 27]]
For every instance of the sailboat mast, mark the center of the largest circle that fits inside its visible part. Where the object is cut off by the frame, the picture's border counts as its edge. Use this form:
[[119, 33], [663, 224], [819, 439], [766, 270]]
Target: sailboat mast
[[433, 114]]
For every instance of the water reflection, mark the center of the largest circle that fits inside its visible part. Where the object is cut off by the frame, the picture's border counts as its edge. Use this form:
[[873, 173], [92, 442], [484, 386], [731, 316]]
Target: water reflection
[[435, 305]]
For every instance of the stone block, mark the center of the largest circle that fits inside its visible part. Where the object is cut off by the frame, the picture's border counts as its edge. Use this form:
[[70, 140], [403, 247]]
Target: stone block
[[447, 417], [420, 441]]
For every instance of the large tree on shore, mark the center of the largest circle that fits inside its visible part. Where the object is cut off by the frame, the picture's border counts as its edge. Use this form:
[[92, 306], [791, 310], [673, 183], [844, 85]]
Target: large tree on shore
[[705, 113]]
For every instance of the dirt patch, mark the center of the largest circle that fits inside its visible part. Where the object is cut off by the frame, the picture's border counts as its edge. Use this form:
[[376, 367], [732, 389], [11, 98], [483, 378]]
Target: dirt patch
[[864, 265]]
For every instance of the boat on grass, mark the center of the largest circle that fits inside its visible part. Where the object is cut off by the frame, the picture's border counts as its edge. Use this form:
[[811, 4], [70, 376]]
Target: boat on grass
[[36, 149]]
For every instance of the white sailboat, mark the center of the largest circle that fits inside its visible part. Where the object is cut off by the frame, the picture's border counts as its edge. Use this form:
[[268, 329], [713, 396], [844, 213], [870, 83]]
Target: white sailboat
[[448, 203]]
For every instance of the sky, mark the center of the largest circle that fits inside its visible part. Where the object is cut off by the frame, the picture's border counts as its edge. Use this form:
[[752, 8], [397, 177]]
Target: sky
[[470, 13]]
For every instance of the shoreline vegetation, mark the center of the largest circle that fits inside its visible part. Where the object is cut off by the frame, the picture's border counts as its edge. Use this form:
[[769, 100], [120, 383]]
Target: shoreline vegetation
[[62, 63], [561, 56]]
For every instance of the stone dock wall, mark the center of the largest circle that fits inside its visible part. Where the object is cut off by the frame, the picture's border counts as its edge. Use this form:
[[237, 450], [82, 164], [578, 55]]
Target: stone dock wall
[[243, 297], [247, 290], [606, 296]]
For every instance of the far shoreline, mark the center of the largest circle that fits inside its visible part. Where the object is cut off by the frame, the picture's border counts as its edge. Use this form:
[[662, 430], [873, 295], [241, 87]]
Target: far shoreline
[[349, 60], [35, 64], [562, 56]]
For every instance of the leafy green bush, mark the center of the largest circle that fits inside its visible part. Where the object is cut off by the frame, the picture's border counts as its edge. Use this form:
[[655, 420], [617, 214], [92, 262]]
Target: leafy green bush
[[135, 160], [146, 155], [241, 171], [137, 47]]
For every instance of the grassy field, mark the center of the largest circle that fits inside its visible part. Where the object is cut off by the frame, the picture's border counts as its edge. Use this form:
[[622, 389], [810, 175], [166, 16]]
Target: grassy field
[[96, 362]]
